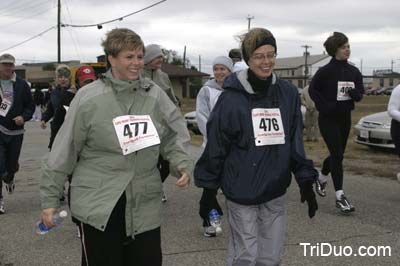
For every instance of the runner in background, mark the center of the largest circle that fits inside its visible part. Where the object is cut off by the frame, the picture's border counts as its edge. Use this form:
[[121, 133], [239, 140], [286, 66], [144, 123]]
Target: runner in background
[[153, 60], [394, 113], [205, 102], [334, 89], [16, 108]]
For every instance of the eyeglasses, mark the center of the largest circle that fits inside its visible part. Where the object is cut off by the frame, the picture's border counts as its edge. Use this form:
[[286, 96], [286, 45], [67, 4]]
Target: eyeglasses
[[261, 57]]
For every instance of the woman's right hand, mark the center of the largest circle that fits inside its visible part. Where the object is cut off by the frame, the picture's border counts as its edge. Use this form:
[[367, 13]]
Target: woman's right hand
[[42, 124], [47, 216]]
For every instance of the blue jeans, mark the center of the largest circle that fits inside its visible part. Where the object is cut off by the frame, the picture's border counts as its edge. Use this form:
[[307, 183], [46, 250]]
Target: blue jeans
[[10, 149]]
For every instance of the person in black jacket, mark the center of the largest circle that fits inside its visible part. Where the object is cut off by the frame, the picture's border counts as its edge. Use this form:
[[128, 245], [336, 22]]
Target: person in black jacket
[[84, 75], [63, 83], [38, 99], [334, 89], [16, 107], [255, 143]]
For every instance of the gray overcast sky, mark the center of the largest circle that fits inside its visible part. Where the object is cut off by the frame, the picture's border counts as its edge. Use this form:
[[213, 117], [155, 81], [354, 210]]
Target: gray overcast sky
[[207, 28]]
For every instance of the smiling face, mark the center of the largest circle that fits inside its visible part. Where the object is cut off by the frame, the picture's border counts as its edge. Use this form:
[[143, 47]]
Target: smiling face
[[220, 73], [127, 64], [262, 61], [343, 52]]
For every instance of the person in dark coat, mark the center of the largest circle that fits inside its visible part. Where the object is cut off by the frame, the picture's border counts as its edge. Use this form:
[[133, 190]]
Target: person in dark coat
[[38, 99], [16, 107], [255, 143]]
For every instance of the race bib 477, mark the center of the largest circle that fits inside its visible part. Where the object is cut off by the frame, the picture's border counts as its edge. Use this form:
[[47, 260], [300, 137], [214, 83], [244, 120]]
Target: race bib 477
[[135, 132]]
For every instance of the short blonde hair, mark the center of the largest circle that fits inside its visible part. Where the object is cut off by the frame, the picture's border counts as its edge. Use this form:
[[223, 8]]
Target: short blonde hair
[[120, 39]]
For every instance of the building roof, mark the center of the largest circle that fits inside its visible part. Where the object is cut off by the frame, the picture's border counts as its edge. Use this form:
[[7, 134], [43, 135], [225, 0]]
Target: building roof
[[386, 73], [175, 71], [296, 62]]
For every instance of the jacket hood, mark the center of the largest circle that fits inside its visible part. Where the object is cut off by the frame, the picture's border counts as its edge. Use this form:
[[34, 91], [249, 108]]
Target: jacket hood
[[238, 81], [212, 84]]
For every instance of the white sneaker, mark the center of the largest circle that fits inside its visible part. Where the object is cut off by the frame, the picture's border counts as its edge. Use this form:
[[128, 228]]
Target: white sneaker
[[2, 209], [209, 231], [164, 197]]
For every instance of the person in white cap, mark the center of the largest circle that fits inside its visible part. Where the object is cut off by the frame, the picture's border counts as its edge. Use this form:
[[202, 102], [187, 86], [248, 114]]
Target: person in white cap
[[205, 102], [153, 60], [16, 107]]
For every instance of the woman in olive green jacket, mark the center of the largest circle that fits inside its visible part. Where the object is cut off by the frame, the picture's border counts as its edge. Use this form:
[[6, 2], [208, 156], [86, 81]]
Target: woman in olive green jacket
[[117, 126]]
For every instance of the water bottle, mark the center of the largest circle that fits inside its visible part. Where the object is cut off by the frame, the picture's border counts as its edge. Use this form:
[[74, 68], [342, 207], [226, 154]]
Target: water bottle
[[215, 220], [41, 228]]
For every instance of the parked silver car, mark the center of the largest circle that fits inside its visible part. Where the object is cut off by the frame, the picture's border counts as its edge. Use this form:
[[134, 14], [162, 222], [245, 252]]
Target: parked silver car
[[374, 130], [191, 122]]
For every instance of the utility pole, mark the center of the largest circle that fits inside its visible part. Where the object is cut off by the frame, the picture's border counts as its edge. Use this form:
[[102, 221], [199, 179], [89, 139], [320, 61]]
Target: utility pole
[[184, 57], [199, 63], [361, 66], [305, 63], [249, 19], [59, 32], [391, 65]]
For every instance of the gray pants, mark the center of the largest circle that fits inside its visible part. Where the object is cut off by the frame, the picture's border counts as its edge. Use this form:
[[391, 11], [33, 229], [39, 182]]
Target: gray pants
[[257, 233]]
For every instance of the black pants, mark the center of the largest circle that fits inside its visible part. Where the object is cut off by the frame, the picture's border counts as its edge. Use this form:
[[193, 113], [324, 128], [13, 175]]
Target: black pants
[[395, 134], [10, 149], [335, 131], [208, 202], [163, 167], [113, 247]]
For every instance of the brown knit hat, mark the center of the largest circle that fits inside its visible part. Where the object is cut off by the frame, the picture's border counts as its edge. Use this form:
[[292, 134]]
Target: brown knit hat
[[334, 42]]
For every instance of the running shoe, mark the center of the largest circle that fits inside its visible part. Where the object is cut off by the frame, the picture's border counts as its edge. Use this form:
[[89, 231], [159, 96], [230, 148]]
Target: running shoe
[[320, 187], [344, 205], [10, 186], [2, 209], [209, 231]]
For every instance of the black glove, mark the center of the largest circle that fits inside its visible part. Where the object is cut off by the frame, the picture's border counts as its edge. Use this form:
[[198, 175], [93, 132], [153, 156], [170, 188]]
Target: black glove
[[208, 202], [307, 194]]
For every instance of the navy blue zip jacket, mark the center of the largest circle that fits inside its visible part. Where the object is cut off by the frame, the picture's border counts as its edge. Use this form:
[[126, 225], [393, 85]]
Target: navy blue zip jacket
[[22, 105], [250, 174], [324, 87], [53, 103]]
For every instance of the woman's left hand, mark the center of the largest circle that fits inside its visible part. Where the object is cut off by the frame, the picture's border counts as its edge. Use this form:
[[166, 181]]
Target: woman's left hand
[[184, 180]]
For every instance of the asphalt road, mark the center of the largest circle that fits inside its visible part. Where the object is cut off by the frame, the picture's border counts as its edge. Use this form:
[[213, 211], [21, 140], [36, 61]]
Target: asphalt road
[[375, 223]]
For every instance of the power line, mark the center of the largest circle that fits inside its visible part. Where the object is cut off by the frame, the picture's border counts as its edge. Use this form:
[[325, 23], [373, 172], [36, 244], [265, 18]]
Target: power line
[[26, 18], [27, 40], [99, 25], [30, 7]]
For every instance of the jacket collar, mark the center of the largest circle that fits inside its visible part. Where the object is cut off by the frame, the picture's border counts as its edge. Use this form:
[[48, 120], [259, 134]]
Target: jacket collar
[[242, 77], [122, 85]]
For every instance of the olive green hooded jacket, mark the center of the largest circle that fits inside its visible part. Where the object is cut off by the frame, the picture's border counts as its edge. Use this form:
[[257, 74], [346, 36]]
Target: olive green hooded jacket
[[87, 146]]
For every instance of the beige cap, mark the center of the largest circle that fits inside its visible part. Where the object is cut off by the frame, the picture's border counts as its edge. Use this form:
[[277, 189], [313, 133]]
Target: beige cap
[[7, 58]]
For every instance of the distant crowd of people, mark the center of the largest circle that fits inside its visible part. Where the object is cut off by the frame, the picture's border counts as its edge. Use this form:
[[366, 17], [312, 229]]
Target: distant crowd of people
[[116, 139]]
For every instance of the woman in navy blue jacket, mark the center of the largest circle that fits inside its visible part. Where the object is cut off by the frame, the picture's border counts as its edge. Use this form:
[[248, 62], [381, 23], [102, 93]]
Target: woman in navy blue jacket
[[334, 89], [255, 143]]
